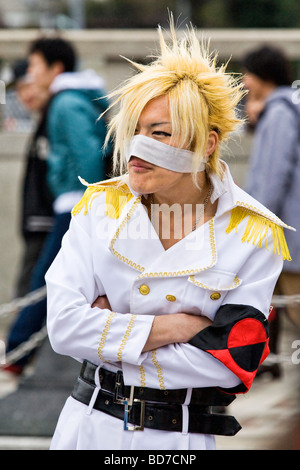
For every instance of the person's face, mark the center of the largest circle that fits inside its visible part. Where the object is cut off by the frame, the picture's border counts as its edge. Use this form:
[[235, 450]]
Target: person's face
[[258, 88], [255, 85], [32, 97], [147, 178], [253, 108], [154, 122], [258, 92], [42, 73]]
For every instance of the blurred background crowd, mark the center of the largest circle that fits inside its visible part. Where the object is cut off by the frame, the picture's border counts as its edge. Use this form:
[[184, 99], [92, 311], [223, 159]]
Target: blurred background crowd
[[55, 58]]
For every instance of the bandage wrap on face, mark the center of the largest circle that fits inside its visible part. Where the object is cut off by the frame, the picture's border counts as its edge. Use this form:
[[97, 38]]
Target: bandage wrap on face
[[160, 154]]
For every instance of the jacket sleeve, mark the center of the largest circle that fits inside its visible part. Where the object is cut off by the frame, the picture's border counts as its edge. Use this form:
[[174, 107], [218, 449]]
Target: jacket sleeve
[[77, 329], [238, 338]]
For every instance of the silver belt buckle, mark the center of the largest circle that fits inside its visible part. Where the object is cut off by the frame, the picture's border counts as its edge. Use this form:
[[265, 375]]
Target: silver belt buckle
[[128, 402]]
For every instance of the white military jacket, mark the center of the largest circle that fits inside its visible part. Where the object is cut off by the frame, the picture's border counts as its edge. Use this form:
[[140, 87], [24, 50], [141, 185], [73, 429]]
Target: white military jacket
[[112, 248]]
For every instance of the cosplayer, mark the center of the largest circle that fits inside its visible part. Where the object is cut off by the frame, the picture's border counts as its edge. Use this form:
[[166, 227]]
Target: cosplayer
[[166, 325]]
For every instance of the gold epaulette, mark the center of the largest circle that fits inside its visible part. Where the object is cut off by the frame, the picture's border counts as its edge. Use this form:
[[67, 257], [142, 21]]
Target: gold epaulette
[[257, 230], [117, 195]]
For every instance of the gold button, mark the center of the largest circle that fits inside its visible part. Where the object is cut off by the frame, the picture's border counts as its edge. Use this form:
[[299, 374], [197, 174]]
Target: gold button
[[174, 421], [144, 289], [215, 296], [171, 298]]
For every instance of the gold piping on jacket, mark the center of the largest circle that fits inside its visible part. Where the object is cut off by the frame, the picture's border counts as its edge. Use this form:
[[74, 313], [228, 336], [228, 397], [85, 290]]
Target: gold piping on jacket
[[257, 229], [236, 282], [104, 335], [159, 371], [190, 271], [126, 337], [117, 234], [142, 376]]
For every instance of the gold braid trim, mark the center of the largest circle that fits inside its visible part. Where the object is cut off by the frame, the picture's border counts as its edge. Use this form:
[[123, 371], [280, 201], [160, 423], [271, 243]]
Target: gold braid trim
[[257, 230], [158, 370], [117, 195]]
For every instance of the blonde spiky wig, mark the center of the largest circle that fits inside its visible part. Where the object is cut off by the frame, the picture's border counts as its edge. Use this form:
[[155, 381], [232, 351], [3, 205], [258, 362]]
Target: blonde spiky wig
[[202, 98]]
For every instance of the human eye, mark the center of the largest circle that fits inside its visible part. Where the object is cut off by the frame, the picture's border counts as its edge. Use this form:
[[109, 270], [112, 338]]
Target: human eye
[[161, 133]]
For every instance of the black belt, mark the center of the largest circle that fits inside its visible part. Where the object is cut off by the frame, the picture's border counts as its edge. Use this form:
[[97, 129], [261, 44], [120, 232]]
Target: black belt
[[141, 412], [209, 396]]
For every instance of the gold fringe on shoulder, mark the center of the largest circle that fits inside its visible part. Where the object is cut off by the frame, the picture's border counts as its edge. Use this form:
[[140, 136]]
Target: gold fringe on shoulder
[[257, 230], [117, 195]]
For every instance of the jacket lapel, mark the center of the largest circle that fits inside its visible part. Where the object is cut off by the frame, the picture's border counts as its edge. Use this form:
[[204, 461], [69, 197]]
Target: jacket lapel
[[136, 243]]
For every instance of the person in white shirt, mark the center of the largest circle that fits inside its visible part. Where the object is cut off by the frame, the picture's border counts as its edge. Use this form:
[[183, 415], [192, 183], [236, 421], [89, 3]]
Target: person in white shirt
[[163, 285]]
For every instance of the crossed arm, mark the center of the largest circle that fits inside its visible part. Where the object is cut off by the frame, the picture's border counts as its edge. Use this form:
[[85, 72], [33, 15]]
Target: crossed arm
[[167, 329]]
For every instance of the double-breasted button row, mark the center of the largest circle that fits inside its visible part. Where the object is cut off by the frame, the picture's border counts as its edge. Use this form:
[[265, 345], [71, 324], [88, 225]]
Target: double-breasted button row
[[144, 290]]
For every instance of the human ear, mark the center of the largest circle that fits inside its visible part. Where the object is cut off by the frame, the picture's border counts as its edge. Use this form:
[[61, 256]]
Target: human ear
[[212, 143], [57, 68]]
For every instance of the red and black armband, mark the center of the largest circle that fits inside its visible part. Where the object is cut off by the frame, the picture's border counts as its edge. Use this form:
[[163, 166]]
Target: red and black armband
[[239, 338]]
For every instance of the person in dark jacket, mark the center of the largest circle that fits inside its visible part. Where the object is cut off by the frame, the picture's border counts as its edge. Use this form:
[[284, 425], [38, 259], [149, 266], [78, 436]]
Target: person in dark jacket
[[36, 213], [76, 139]]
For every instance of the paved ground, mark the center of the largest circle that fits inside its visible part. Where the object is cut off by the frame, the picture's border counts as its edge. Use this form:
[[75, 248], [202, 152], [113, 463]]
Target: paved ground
[[269, 413]]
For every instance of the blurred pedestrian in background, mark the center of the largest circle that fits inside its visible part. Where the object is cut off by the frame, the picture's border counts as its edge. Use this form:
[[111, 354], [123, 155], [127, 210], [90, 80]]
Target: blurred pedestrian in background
[[35, 201], [75, 148], [274, 170]]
